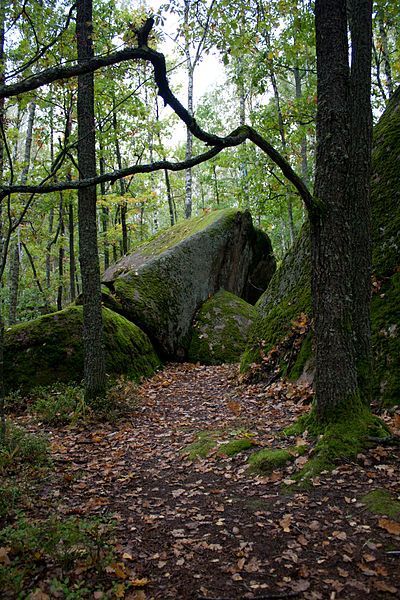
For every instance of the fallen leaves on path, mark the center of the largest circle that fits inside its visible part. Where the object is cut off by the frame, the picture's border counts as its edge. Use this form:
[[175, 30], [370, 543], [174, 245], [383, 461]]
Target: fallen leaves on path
[[209, 527]]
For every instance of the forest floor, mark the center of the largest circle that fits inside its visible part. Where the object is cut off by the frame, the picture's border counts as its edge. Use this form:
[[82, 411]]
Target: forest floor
[[208, 527]]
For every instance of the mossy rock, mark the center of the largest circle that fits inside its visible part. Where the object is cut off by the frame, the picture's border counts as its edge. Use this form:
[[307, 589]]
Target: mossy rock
[[163, 283], [267, 460], [289, 293], [385, 190], [50, 349], [220, 329], [287, 296]]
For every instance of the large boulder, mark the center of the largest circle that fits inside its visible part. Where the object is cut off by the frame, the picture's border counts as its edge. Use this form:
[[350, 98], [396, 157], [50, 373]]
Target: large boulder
[[289, 293], [220, 329], [50, 349], [163, 283]]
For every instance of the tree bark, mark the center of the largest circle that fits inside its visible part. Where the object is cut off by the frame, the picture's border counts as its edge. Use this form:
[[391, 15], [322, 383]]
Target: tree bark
[[336, 375], [94, 362], [359, 174]]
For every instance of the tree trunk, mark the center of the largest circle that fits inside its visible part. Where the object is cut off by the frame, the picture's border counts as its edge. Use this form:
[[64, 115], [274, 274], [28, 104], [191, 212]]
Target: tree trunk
[[122, 189], [94, 362], [2, 250], [189, 138], [14, 284], [336, 375], [359, 174], [386, 55], [71, 243], [61, 252]]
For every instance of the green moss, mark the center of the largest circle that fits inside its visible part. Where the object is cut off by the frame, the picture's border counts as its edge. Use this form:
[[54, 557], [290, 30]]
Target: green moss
[[302, 358], [209, 440], [385, 190], [235, 446], [202, 446], [50, 349], [268, 459], [287, 296], [165, 239], [220, 329], [343, 435], [380, 502], [385, 311]]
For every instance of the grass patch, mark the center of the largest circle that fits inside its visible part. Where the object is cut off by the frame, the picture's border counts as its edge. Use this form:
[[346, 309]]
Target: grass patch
[[9, 496], [268, 459], [207, 441], [380, 502]]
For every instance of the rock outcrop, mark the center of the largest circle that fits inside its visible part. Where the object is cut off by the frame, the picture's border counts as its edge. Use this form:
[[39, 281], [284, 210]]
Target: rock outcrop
[[220, 329], [161, 285], [50, 349], [289, 293]]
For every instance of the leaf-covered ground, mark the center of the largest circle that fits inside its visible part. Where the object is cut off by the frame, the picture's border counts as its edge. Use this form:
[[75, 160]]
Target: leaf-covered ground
[[208, 527]]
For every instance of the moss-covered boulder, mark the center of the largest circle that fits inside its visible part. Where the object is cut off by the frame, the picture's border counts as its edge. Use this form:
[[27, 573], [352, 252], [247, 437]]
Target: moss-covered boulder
[[286, 298], [220, 329], [50, 349], [289, 293], [163, 283]]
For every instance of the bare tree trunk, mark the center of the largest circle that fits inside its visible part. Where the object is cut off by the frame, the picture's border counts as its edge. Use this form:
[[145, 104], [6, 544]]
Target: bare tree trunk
[[2, 250], [36, 278], [303, 142], [61, 253], [71, 243], [16, 252], [105, 211], [170, 199], [189, 138], [94, 363], [122, 189], [386, 54]]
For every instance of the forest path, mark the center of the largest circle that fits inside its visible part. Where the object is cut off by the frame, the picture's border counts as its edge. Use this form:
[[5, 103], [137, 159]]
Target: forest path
[[208, 528]]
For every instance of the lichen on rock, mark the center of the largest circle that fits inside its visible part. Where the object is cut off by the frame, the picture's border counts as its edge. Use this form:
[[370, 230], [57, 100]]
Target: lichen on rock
[[220, 329], [50, 349]]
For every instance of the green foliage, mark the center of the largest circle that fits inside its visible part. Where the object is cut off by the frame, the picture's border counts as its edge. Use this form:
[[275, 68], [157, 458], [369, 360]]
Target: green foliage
[[22, 447], [67, 544], [9, 495], [59, 403]]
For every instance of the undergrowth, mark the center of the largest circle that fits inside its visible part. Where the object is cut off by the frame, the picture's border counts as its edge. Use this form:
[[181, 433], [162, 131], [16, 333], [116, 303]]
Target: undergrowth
[[73, 549]]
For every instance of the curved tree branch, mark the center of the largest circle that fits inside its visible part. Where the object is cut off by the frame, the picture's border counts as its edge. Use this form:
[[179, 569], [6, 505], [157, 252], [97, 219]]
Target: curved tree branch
[[218, 143]]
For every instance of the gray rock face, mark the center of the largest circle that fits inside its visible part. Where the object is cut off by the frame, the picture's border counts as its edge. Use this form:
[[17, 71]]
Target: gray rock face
[[162, 284]]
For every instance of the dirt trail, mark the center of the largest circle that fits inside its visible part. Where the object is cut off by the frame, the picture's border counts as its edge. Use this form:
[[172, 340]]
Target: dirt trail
[[209, 528]]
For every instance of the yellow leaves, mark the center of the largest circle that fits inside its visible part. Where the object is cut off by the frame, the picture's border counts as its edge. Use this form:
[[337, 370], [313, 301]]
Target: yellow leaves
[[392, 527]]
